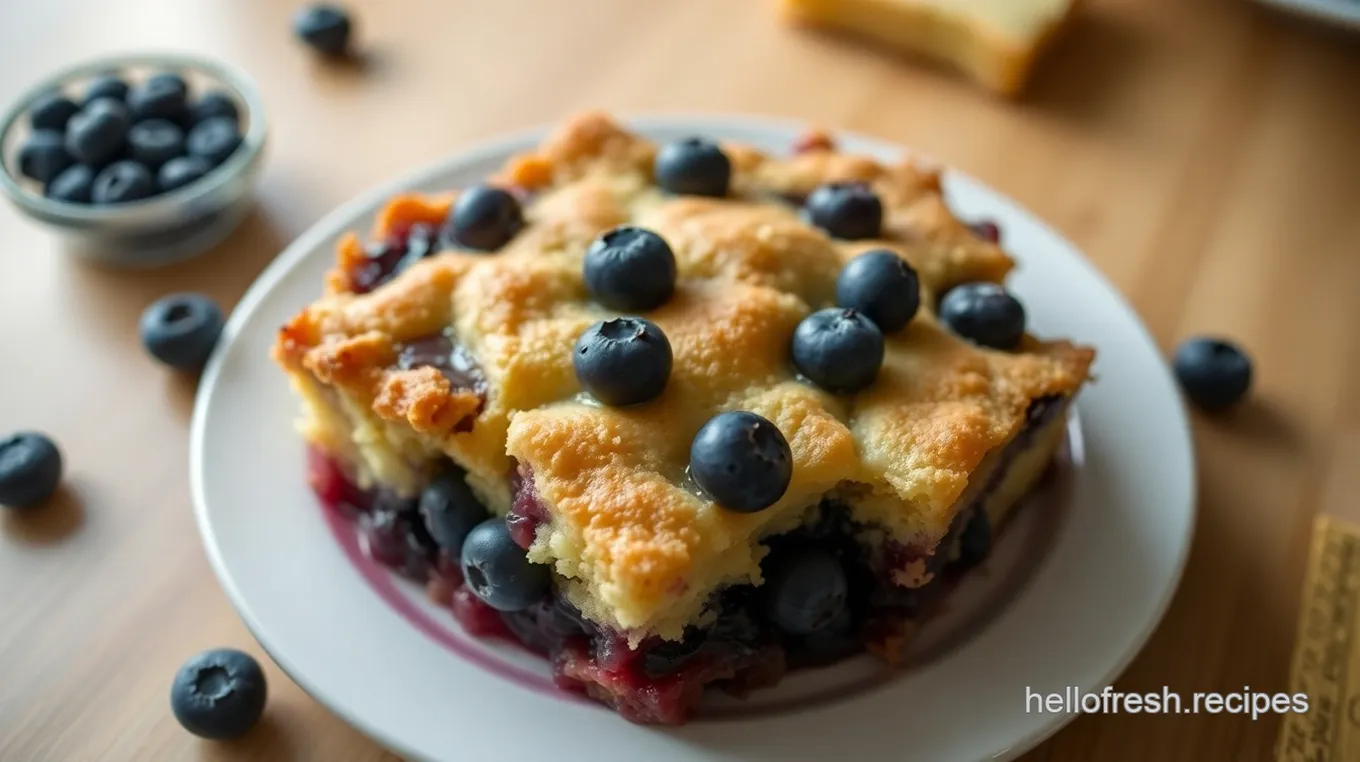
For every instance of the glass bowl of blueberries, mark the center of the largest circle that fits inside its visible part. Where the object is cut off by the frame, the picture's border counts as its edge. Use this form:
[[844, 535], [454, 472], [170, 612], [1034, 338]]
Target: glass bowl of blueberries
[[136, 160]]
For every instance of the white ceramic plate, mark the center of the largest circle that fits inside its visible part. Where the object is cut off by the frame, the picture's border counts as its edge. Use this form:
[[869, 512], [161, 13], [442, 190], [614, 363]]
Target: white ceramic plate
[[1344, 13], [375, 652]]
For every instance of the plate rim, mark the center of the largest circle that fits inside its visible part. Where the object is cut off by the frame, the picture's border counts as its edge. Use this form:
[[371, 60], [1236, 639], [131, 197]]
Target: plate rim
[[505, 144]]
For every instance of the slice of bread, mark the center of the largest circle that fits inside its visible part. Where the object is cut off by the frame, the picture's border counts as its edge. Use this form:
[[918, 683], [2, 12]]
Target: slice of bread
[[994, 42]]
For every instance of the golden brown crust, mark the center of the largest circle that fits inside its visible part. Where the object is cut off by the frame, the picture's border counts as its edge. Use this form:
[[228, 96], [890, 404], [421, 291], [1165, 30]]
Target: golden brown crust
[[639, 549]]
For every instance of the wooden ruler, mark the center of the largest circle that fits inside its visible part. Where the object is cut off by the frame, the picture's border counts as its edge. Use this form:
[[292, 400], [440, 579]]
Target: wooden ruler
[[1326, 663]]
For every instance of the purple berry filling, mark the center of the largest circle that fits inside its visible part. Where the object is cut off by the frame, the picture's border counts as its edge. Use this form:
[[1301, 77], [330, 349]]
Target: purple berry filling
[[663, 681], [384, 259], [451, 359]]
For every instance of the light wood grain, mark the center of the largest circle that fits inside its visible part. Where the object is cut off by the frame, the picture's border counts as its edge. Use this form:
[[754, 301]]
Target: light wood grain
[[1205, 154]]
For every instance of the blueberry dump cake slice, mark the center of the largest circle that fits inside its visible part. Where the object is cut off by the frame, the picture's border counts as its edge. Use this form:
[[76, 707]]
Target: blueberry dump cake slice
[[679, 416]]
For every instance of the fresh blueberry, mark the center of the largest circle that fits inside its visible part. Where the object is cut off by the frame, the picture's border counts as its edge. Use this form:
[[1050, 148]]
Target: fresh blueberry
[[215, 104], [805, 589], [155, 141], [630, 269], [326, 28], [693, 167], [450, 510], [624, 361], [30, 469], [105, 86], [837, 349], [180, 330], [51, 111], [1215, 373], [74, 185], [849, 211], [394, 534], [882, 286], [43, 156], [214, 139], [975, 542], [219, 694], [497, 570], [169, 80], [98, 132], [180, 171], [484, 218], [164, 96], [742, 461], [838, 639], [985, 314], [122, 182], [109, 104]]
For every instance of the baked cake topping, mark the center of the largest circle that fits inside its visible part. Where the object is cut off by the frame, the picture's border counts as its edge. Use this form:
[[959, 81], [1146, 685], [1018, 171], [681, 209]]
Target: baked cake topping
[[425, 359]]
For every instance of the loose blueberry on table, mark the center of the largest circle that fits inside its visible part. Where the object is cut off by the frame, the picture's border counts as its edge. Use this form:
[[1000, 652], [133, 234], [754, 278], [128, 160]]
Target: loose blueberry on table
[[630, 269], [985, 314], [693, 167], [181, 330], [838, 349], [624, 361], [1215, 373], [219, 694], [30, 469], [326, 28]]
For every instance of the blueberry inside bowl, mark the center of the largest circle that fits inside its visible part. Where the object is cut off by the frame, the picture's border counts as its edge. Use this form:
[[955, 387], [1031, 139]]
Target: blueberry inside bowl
[[135, 160]]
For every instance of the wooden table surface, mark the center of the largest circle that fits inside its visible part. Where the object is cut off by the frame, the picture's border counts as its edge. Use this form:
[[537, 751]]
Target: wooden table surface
[[1204, 154]]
